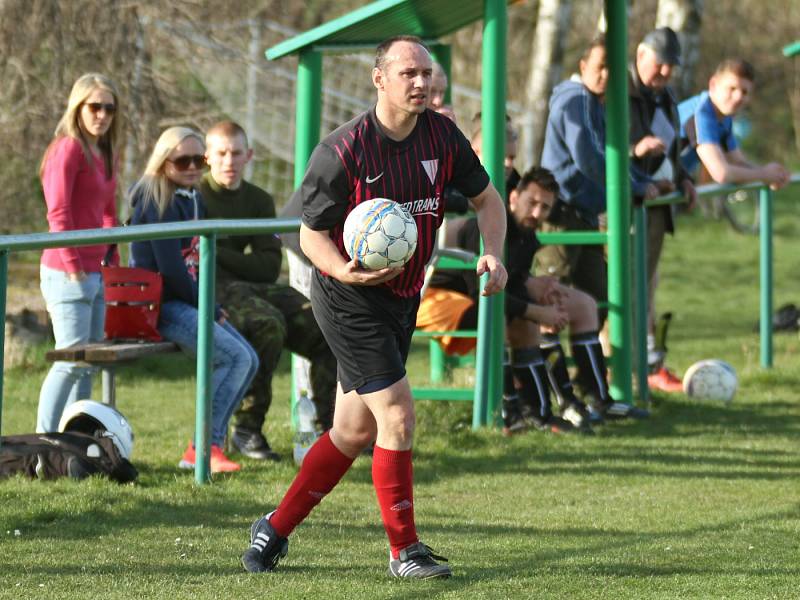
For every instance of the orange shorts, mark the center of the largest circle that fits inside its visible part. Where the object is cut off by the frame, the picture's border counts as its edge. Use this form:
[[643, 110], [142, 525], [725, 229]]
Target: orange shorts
[[441, 310]]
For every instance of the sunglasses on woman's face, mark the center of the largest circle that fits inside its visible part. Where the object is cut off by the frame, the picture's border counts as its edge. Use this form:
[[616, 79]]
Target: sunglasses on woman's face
[[183, 163], [96, 107]]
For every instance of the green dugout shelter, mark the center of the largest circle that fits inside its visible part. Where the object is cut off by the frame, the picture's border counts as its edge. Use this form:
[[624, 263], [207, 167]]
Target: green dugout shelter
[[431, 20]]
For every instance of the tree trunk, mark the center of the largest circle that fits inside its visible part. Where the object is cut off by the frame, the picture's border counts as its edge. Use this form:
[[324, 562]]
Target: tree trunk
[[546, 66], [685, 18], [794, 99]]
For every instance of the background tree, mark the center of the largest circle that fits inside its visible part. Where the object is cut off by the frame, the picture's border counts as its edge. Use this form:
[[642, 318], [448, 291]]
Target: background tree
[[545, 71], [192, 62], [684, 17]]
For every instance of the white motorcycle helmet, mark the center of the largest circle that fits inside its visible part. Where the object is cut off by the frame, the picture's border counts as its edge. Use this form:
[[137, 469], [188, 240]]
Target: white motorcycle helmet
[[95, 418]]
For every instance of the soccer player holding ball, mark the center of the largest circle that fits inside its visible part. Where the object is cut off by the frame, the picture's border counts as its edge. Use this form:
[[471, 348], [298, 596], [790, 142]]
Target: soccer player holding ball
[[402, 151]]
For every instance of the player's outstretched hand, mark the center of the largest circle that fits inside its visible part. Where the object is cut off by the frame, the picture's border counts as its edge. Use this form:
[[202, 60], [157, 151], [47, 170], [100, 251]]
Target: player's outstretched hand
[[353, 274], [498, 276]]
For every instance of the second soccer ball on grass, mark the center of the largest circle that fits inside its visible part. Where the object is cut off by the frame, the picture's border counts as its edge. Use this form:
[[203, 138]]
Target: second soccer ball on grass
[[710, 379]]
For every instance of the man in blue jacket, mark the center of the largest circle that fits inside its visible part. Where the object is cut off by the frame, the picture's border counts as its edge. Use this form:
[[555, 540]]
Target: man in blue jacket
[[574, 151]]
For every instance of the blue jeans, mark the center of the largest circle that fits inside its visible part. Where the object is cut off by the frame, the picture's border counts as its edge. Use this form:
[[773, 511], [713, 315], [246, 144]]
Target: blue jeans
[[234, 361], [78, 311]]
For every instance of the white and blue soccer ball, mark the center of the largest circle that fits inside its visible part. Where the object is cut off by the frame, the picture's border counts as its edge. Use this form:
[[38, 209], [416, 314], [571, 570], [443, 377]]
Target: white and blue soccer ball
[[380, 233], [710, 379]]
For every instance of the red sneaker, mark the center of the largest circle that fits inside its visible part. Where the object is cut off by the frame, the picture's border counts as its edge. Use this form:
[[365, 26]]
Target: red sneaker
[[665, 380], [188, 458], [219, 462]]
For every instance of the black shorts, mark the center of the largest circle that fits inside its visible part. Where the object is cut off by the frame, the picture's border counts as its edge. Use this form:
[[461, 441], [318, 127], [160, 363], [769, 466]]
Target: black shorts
[[368, 328]]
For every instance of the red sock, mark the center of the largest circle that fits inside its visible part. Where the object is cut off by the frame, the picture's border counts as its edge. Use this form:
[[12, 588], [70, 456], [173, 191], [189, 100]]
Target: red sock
[[322, 468], [393, 478]]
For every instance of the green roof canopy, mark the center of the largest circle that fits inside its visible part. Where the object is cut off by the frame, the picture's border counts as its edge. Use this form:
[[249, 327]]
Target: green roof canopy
[[373, 23]]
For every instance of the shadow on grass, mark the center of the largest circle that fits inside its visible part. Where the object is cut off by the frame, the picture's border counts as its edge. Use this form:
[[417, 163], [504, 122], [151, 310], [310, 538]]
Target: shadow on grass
[[596, 549], [652, 447]]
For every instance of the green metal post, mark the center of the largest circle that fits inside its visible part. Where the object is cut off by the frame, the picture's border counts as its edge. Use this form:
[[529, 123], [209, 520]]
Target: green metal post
[[765, 260], [3, 290], [442, 54], [640, 285], [205, 355], [309, 110], [618, 201], [491, 326], [438, 362], [308, 116]]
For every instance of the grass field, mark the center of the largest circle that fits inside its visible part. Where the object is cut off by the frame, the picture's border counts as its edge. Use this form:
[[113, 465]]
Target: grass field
[[701, 501]]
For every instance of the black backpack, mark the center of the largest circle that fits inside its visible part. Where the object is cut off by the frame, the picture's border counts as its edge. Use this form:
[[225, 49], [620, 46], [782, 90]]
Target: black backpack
[[70, 454]]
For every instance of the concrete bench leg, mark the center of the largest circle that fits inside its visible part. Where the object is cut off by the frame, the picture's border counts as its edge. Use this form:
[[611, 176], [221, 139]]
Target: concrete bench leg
[[109, 386]]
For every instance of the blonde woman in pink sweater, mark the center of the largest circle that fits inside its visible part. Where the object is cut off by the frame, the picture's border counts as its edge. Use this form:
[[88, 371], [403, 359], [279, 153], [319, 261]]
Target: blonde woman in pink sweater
[[78, 174]]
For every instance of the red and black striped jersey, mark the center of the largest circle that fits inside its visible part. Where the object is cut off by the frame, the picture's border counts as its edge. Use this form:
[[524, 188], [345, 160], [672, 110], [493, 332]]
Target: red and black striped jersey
[[358, 162]]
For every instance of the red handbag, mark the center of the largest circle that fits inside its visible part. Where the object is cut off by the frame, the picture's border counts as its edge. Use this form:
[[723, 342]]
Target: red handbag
[[133, 301]]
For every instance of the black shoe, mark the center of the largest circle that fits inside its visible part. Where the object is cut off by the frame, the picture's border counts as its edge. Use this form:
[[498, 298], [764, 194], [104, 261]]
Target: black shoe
[[252, 444], [418, 562], [551, 424], [513, 422], [558, 425], [619, 410], [266, 547], [576, 413], [595, 417], [518, 425]]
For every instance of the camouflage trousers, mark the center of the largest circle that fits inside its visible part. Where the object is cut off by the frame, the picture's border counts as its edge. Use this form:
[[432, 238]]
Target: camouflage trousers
[[273, 317]]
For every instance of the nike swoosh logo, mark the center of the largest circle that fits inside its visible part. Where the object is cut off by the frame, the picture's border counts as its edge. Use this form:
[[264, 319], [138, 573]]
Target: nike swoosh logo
[[374, 179]]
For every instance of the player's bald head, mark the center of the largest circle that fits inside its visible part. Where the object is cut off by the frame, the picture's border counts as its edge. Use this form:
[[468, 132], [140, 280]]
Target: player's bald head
[[384, 54]]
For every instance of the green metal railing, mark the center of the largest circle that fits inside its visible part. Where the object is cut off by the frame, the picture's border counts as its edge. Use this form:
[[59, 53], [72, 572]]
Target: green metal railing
[[766, 281], [208, 230], [636, 353]]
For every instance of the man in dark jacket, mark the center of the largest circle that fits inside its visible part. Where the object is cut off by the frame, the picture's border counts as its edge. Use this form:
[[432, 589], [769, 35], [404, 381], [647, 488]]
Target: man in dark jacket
[[536, 360], [654, 150]]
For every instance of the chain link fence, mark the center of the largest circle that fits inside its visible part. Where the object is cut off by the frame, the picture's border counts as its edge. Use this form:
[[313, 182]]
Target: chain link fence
[[228, 62]]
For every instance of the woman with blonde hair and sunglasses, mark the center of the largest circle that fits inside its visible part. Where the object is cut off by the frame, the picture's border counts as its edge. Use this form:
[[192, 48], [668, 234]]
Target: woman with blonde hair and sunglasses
[[78, 174], [167, 192]]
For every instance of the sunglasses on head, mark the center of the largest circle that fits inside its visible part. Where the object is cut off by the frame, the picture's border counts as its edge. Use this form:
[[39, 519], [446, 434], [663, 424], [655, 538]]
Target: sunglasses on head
[[96, 107], [183, 163]]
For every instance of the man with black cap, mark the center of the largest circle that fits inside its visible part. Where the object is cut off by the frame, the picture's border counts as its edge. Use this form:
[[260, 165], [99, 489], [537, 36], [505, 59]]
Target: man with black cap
[[654, 149]]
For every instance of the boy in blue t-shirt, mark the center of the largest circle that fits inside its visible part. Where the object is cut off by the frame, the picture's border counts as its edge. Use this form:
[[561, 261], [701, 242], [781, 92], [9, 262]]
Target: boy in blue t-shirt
[[707, 129]]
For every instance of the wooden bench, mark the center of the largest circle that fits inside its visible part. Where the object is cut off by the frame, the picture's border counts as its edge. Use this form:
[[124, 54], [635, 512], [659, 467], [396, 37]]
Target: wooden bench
[[108, 355]]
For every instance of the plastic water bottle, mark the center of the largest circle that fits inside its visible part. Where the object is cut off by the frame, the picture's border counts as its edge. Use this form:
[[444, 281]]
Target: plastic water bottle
[[306, 433]]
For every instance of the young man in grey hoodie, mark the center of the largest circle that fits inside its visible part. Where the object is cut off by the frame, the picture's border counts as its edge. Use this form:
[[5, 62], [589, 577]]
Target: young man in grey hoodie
[[574, 151]]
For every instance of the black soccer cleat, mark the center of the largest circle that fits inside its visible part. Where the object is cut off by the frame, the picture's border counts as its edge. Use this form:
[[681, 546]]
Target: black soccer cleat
[[418, 561], [619, 410], [513, 422], [575, 412], [266, 547]]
